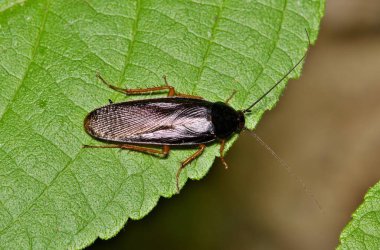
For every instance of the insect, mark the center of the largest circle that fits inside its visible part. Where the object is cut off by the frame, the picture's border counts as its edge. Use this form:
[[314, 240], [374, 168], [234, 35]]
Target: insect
[[175, 120]]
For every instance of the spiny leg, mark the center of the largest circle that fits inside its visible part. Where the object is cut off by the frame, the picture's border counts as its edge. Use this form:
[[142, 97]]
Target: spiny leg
[[171, 90], [222, 144], [163, 152], [188, 161], [137, 91]]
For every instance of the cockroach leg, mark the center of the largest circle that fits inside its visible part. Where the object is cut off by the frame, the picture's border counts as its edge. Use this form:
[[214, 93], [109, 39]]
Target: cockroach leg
[[137, 91], [105, 82], [174, 93], [189, 96], [171, 88], [222, 144], [188, 161], [167, 86], [230, 97], [163, 152], [165, 80]]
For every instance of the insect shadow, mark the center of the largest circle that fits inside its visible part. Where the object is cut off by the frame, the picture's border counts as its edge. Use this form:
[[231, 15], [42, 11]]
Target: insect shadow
[[178, 120]]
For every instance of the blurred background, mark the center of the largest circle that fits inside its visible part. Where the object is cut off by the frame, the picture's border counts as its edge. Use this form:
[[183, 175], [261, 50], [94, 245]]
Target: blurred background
[[326, 127]]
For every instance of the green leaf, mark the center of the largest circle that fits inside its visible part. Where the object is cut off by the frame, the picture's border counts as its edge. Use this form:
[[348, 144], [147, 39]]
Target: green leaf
[[53, 193], [363, 231]]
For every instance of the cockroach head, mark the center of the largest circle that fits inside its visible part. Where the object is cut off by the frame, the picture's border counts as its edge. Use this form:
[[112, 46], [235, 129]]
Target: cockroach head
[[226, 120]]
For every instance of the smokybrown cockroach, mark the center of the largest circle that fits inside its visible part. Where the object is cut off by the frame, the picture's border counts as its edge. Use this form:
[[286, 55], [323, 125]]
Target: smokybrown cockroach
[[177, 120]]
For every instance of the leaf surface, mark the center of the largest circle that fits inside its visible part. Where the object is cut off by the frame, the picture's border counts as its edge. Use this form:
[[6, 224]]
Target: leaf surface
[[53, 193], [363, 230]]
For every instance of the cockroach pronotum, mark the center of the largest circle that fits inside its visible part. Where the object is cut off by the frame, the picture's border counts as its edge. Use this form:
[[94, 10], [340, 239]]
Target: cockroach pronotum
[[175, 120]]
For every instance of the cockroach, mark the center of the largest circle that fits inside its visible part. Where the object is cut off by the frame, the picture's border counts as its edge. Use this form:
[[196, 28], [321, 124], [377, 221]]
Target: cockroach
[[175, 120]]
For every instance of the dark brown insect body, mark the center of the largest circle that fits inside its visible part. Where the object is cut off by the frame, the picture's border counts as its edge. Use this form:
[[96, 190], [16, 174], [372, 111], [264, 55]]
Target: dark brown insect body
[[177, 120], [164, 121]]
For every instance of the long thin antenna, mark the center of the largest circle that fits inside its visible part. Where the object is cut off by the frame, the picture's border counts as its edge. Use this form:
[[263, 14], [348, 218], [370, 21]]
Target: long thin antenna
[[277, 83], [289, 170]]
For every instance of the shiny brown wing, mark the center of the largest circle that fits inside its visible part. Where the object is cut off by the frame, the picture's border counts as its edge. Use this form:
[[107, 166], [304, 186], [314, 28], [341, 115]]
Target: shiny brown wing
[[162, 121]]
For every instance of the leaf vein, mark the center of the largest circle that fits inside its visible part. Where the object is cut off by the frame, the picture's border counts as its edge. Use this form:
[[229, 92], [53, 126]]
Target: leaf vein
[[132, 41], [208, 48], [34, 52]]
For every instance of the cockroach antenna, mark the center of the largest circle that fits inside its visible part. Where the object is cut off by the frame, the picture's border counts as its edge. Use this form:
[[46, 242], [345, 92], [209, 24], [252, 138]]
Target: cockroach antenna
[[247, 110], [286, 166]]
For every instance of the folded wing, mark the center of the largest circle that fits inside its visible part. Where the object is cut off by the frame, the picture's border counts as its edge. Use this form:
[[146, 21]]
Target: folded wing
[[163, 121]]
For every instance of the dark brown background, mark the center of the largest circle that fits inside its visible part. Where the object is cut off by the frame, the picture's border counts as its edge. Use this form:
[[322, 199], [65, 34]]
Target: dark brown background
[[326, 127]]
